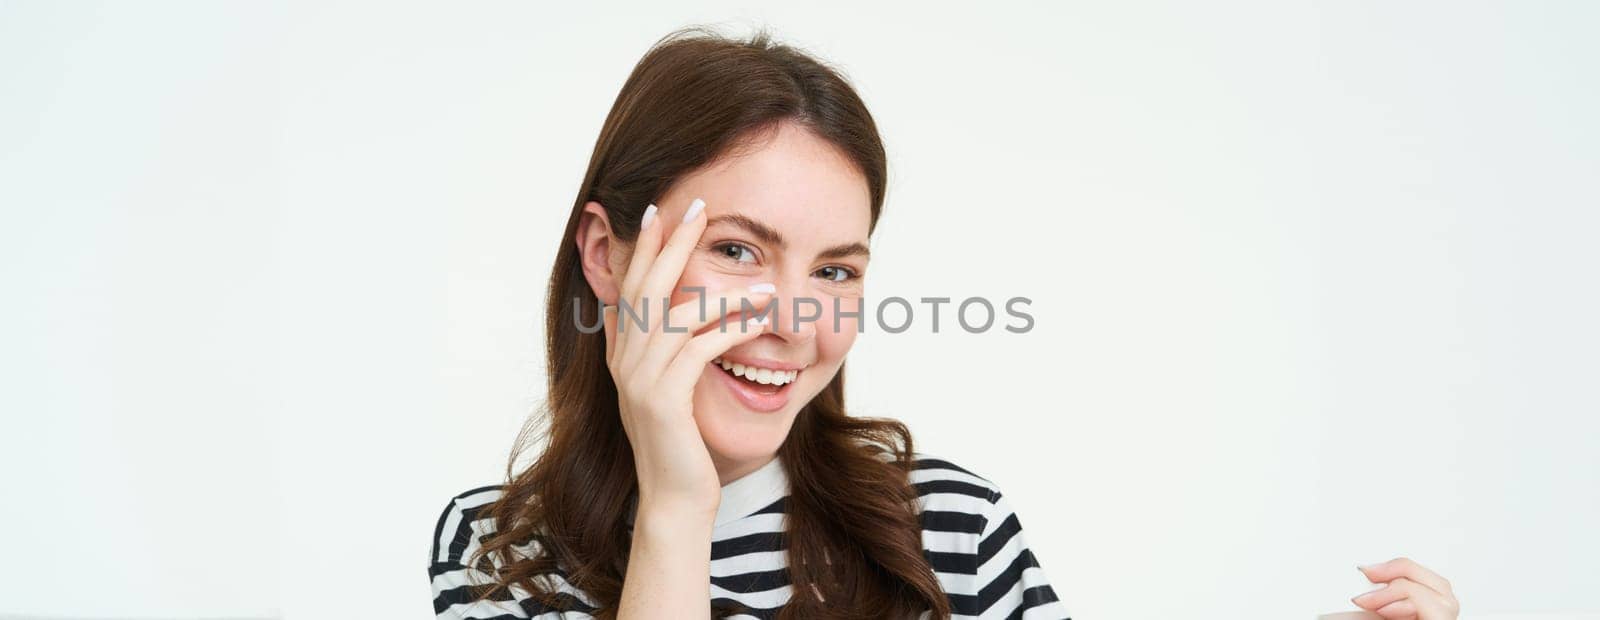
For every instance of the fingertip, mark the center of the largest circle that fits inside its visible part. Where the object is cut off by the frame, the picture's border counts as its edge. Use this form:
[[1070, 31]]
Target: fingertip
[[649, 217], [694, 210], [752, 327]]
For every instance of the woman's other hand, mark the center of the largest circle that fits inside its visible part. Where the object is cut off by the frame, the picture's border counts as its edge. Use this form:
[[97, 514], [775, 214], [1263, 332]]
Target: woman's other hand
[[655, 368], [1407, 590]]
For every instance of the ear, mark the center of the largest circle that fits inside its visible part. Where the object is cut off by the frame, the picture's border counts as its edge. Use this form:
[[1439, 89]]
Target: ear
[[600, 253]]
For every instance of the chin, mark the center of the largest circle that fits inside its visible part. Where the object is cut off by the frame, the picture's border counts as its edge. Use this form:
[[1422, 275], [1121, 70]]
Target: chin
[[741, 427], [737, 435]]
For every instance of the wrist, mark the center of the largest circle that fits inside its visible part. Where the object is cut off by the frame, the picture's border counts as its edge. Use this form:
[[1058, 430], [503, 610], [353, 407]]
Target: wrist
[[675, 516]]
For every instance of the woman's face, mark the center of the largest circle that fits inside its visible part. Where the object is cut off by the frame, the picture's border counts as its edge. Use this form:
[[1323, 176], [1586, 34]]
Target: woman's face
[[794, 212]]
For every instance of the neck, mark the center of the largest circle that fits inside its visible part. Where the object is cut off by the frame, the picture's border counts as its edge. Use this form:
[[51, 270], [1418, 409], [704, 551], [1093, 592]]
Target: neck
[[730, 470]]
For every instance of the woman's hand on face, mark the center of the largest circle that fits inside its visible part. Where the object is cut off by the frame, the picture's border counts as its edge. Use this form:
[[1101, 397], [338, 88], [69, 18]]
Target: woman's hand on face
[[1407, 590], [655, 369]]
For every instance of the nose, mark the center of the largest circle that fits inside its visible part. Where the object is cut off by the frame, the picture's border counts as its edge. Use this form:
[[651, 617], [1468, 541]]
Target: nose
[[796, 316]]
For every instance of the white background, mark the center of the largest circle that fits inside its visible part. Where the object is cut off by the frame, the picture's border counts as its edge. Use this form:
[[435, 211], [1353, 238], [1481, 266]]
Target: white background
[[1314, 286]]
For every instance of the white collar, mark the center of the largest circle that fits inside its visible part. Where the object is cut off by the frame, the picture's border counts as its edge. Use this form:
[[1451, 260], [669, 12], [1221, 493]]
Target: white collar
[[752, 492]]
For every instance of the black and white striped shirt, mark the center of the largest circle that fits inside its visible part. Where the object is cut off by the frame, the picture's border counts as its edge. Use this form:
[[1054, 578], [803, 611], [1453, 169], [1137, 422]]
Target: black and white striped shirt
[[970, 535]]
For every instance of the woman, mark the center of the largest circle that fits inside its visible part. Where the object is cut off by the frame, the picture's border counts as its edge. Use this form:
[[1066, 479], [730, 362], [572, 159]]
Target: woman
[[693, 443]]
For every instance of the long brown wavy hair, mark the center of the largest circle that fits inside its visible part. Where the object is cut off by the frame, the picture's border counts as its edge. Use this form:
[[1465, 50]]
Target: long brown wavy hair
[[852, 531]]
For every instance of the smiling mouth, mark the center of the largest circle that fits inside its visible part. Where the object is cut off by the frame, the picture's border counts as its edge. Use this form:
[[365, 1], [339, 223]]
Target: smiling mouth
[[757, 379]]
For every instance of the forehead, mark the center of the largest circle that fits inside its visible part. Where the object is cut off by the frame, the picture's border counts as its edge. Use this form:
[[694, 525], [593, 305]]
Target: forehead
[[791, 180]]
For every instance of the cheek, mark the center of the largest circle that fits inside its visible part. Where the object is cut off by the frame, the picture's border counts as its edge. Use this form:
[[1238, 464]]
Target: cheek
[[694, 277], [832, 343]]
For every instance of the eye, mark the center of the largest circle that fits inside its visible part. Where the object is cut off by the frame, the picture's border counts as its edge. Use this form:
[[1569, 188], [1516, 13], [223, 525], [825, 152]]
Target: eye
[[737, 252], [837, 274]]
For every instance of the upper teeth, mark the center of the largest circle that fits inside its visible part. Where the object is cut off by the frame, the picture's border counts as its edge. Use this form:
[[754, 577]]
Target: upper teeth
[[758, 375]]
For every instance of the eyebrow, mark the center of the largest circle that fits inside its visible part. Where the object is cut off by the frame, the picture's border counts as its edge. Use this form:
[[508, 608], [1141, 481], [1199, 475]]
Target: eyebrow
[[770, 236]]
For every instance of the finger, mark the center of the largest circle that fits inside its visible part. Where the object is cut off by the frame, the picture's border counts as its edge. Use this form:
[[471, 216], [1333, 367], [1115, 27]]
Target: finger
[[685, 369], [688, 318], [633, 332], [608, 319], [1398, 589], [1435, 606], [645, 247], [1405, 567], [668, 266], [1402, 609], [656, 287], [1428, 603], [1404, 598]]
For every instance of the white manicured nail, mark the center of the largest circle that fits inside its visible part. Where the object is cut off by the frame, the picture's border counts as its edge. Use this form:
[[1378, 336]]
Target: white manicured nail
[[649, 217], [759, 321], [764, 287], [694, 209]]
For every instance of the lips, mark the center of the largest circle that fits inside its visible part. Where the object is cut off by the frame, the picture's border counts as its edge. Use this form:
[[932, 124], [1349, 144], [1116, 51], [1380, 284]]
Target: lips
[[768, 374], [756, 396]]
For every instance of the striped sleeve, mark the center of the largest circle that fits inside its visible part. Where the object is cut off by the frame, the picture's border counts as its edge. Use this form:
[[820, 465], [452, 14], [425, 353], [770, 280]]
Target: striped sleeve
[[455, 539], [975, 543], [1009, 580]]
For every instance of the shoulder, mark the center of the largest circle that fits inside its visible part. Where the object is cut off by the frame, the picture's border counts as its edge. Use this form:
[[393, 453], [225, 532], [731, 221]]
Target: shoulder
[[976, 545], [928, 467], [953, 497], [459, 532], [462, 523]]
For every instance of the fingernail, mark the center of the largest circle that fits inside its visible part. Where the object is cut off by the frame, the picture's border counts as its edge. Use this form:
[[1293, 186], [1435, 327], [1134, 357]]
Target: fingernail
[[764, 287], [1365, 567], [649, 217], [760, 320], [694, 209]]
